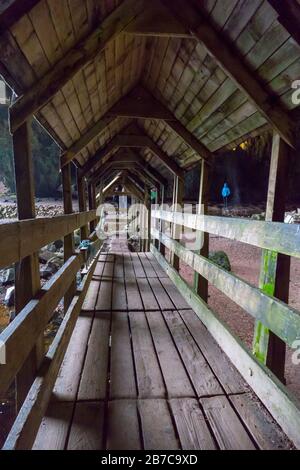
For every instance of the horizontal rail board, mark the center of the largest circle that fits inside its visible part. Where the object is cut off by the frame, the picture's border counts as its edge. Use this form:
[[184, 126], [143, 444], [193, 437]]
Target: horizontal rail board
[[20, 336], [274, 236], [26, 426], [277, 316], [22, 238], [282, 405]]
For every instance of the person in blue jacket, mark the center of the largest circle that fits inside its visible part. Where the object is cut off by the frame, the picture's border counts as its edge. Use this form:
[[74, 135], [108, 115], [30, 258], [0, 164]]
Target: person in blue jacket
[[225, 194]]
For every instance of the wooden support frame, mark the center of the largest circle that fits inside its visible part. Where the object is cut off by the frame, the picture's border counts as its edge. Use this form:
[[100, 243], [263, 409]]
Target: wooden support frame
[[289, 16], [27, 274], [69, 245], [178, 195], [200, 283], [81, 54], [229, 59], [92, 203], [14, 11], [284, 408], [275, 267], [81, 190]]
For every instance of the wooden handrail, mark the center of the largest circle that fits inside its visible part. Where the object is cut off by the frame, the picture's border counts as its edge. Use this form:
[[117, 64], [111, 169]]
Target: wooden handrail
[[273, 236], [279, 317], [20, 336], [25, 428], [22, 238]]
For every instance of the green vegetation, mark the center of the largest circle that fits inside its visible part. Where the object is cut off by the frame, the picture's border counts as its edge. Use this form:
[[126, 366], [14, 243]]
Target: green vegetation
[[45, 156], [221, 259]]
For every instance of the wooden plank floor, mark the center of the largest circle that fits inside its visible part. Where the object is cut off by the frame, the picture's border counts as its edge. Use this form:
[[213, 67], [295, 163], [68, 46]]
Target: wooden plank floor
[[142, 372]]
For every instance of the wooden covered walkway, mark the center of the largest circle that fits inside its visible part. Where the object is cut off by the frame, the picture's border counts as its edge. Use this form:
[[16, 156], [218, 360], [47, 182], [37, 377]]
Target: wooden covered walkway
[[141, 371]]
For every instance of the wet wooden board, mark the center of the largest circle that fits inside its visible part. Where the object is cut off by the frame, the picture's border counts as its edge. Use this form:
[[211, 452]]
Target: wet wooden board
[[137, 266], [93, 383], [192, 428], [157, 268], [157, 426], [86, 431], [122, 376], [108, 270], [229, 377], [54, 428], [149, 377], [119, 266], [66, 385], [264, 430], [92, 295], [175, 376], [123, 427], [226, 426], [201, 375], [99, 269], [128, 267]]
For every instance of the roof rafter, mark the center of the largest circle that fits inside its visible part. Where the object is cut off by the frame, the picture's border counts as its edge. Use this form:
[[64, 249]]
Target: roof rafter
[[230, 60], [74, 60], [14, 10], [289, 16]]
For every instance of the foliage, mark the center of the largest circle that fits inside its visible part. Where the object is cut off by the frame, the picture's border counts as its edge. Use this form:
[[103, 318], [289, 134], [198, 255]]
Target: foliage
[[45, 158]]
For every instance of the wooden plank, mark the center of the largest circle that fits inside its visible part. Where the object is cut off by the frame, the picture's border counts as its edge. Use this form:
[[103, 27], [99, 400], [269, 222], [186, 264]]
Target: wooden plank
[[157, 268], [12, 11], [227, 428], [200, 373], [282, 320], [289, 16], [54, 428], [262, 427], [67, 382], [161, 295], [192, 429], [87, 427], [76, 58], [91, 296], [104, 299], [147, 295], [177, 299], [175, 376], [122, 375], [275, 236], [119, 299], [134, 300], [119, 267], [28, 236], [149, 377], [284, 408], [148, 268], [137, 265], [157, 427], [93, 382], [123, 426], [81, 190]]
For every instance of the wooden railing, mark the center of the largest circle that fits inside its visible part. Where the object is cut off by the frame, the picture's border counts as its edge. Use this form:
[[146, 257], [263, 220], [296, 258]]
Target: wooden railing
[[277, 316], [18, 240]]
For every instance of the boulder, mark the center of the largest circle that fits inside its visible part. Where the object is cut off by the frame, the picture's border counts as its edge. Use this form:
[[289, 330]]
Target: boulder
[[54, 264], [7, 276], [10, 297], [58, 244], [45, 256], [221, 259]]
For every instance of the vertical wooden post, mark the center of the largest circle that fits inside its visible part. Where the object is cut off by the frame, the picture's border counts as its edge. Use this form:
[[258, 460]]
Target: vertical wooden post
[[275, 267], [92, 203], [146, 241], [27, 279], [178, 194], [82, 204], [162, 247], [69, 246], [200, 283]]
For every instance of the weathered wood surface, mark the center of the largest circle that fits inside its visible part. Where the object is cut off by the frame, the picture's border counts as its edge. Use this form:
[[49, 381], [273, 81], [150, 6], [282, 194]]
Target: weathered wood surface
[[28, 236], [274, 236], [162, 360], [278, 316], [277, 399]]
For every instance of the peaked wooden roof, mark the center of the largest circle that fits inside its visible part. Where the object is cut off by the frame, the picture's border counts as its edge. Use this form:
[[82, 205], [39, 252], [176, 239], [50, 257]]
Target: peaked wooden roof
[[191, 77]]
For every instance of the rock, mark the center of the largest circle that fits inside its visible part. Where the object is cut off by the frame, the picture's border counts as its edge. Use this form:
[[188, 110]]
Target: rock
[[7, 276], [58, 244], [10, 297], [45, 256], [46, 272], [77, 239], [261, 216], [51, 248], [221, 259], [54, 264]]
